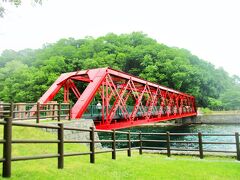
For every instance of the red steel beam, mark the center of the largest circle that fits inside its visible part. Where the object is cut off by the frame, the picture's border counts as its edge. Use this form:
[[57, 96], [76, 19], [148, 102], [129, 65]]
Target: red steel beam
[[152, 102]]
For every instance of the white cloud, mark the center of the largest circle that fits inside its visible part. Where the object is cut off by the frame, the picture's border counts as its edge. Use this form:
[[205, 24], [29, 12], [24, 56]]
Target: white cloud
[[209, 29]]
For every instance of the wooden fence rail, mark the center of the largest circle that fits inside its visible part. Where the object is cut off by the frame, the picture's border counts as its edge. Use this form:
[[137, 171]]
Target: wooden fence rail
[[7, 142], [36, 111]]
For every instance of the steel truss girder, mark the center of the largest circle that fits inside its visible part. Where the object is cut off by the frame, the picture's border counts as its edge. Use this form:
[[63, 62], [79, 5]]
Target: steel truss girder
[[151, 102]]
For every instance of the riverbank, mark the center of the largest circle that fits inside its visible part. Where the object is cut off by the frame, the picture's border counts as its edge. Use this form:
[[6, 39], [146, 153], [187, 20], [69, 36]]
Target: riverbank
[[215, 117], [227, 118], [193, 153]]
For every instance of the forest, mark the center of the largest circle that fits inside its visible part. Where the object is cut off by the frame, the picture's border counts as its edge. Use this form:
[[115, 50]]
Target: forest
[[26, 74]]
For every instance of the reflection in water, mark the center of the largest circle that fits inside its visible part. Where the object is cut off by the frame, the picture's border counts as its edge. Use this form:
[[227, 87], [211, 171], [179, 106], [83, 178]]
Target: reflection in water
[[226, 129]]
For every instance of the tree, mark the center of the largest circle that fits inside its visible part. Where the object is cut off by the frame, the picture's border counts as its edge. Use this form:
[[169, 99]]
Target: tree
[[231, 98], [215, 104], [16, 79], [25, 75], [15, 3]]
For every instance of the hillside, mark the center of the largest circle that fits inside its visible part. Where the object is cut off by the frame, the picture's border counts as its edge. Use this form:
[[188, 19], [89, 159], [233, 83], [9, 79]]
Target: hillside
[[25, 75]]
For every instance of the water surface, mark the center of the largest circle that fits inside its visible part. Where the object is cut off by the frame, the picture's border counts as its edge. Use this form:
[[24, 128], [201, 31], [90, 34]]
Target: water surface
[[204, 128]]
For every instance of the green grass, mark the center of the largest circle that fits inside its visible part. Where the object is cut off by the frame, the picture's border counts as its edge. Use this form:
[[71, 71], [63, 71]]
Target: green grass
[[146, 166]]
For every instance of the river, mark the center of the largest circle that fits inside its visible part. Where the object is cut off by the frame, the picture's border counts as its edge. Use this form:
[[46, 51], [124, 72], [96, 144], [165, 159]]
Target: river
[[204, 128]]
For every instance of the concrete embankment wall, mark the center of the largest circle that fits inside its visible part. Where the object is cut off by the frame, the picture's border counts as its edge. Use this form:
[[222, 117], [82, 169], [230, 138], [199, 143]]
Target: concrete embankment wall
[[219, 119], [77, 135]]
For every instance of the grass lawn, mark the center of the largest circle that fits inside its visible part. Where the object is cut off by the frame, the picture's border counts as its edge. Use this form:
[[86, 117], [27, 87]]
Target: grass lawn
[[146, 166]]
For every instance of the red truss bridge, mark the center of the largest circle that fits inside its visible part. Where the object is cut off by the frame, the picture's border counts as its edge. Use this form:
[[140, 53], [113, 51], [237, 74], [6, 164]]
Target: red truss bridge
[[114, 99]]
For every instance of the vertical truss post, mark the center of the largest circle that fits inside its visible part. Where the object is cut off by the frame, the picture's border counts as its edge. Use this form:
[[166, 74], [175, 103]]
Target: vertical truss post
[[162, 103], [181, 105], [107, 101], [103, 102], [175, 105], [66, 92]]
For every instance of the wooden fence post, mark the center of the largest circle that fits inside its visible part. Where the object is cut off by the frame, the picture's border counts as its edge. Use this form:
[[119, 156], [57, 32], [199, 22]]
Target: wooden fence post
[[237, 145], [7, 148], [92, 146], [69, 111], [38, 113], [140, 143], [11, 110], [114, 144], [59, 111], [200, 145], [168, 144], [60, 146], [129, 144]]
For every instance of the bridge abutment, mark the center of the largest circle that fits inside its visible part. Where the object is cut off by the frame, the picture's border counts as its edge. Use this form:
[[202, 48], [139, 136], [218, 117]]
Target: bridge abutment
[[187, 120]]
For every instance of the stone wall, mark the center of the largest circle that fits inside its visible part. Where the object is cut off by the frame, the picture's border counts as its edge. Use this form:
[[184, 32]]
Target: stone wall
[[77, 135], [219, 119], [187, 120]]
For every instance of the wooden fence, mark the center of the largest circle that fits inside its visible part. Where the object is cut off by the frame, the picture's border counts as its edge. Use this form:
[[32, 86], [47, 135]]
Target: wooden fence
[[7, 142], [36, 111]]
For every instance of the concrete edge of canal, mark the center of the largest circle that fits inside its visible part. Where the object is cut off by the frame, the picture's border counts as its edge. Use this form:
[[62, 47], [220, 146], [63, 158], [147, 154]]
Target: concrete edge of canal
[[200, 119]]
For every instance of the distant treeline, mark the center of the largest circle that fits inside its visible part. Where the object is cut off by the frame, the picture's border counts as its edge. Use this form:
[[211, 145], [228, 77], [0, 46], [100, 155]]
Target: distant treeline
[[25, 75]]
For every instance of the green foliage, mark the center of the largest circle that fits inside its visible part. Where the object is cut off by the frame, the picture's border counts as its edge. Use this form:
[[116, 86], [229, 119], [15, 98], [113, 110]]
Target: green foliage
[[231, 99], [215, 104], [206, 110], [25, 75]]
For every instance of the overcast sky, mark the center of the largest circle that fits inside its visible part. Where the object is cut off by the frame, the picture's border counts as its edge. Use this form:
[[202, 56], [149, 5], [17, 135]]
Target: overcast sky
[[210, 29]]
